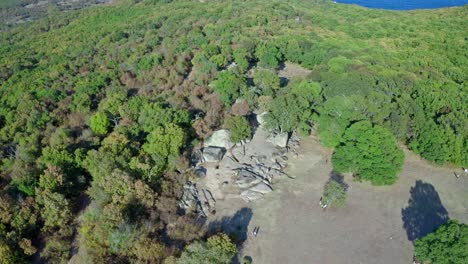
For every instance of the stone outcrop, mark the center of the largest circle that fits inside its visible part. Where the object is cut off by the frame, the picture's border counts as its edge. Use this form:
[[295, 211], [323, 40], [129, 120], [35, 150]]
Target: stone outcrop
[[248, 170], [199, 200], [261, 119], [279, 139], [221, 139], [211, 154]]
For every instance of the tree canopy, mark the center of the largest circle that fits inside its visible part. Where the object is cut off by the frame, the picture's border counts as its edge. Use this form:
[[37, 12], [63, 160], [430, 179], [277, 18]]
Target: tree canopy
[[106, 104], [370, 152], [448, 244]]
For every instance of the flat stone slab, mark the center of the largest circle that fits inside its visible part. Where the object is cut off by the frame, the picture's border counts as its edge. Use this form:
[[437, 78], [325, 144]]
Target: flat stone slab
[[211, 154]]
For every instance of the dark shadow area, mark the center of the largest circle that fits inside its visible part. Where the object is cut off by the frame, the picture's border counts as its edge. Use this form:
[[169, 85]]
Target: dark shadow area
[[337, 177], [284, 81], [235, 226], [247, 260], [425, 211]]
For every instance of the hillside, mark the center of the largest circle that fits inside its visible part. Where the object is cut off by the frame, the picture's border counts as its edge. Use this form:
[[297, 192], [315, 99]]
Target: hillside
[[108, 102]]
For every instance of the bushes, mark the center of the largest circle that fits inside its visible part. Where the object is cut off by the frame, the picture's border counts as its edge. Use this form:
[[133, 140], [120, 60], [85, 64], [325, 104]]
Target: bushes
[[239, 128], [334, 193], [219, 249]]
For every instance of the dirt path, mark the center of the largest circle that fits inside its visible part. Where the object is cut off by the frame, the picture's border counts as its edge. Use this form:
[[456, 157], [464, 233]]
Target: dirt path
[[375, 227]]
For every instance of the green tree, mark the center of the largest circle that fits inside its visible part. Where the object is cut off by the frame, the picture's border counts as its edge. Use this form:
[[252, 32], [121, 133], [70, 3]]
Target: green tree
[[294, 110], [267, 81], [334, 193], [55, 208], [165, 142], [370, 152], [239, 128], [268, 55], [229, 85], [219, 249], [241, 57], [99, 123], [448, 244], [331, 130], [8, 255]]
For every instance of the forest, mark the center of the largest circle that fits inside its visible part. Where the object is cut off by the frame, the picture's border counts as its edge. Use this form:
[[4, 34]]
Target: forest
[[101, 107]]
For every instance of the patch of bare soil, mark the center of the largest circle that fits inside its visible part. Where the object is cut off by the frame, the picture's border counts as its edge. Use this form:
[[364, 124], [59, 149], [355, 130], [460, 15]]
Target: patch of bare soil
[[290, 70], [377, 225]]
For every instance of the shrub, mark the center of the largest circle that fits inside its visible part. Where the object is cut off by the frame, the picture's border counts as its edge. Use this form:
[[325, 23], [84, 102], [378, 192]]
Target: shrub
[[239, 128]]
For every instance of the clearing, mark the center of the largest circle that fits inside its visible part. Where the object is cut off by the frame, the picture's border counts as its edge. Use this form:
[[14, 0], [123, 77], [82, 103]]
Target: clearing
[[376, 226]]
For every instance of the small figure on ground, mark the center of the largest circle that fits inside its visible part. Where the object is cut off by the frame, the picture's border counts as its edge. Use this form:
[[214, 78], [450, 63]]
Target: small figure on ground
[[457, 175], [255, 231], [322, 204]]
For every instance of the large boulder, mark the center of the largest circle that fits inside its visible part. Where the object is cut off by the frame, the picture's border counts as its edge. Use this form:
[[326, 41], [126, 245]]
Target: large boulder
[[261, 119], [221, 139], [262, 188], [246, 178], [213, 153], [200, 172], [196, 158], [279, 139], [250, 196]]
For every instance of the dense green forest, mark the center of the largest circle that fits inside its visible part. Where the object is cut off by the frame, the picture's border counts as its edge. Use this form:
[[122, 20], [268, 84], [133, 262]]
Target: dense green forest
[[105, 104]]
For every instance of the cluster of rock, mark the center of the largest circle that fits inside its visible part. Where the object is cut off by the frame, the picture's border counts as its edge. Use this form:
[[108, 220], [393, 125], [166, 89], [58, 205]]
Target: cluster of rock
[[252, 167], [198, 199], [255, 173]]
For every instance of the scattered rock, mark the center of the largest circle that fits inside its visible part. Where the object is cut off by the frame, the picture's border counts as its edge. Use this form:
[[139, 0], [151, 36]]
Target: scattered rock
[[262, 188], [196, 158], [250, 196], [248, 169], [246, 178], [221, 139], [201, 201], [279, 139], [213, 154], [230, 163], [200, 172]]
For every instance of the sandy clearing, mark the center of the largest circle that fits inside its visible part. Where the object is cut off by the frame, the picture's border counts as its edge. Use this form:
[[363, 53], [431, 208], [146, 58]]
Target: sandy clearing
[[294, 229]]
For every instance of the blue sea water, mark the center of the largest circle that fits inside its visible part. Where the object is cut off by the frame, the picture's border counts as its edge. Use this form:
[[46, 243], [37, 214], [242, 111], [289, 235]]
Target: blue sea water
[[405, 4]]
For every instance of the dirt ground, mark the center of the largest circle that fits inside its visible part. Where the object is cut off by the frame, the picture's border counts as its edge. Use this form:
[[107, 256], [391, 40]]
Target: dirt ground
[[376, 226]]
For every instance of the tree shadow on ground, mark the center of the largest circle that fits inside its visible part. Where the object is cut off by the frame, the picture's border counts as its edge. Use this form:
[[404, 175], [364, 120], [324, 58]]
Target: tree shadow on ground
[[335, 176], [424, 212], [235, 226]]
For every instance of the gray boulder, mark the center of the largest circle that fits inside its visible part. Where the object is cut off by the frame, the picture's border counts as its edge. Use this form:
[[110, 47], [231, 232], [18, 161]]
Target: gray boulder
[[230, 163], [262, 188], [250, 196], [246, 178], [200, 172], [196, 158], [221, 139], [261, 119], [213, 154], [279, 139]]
